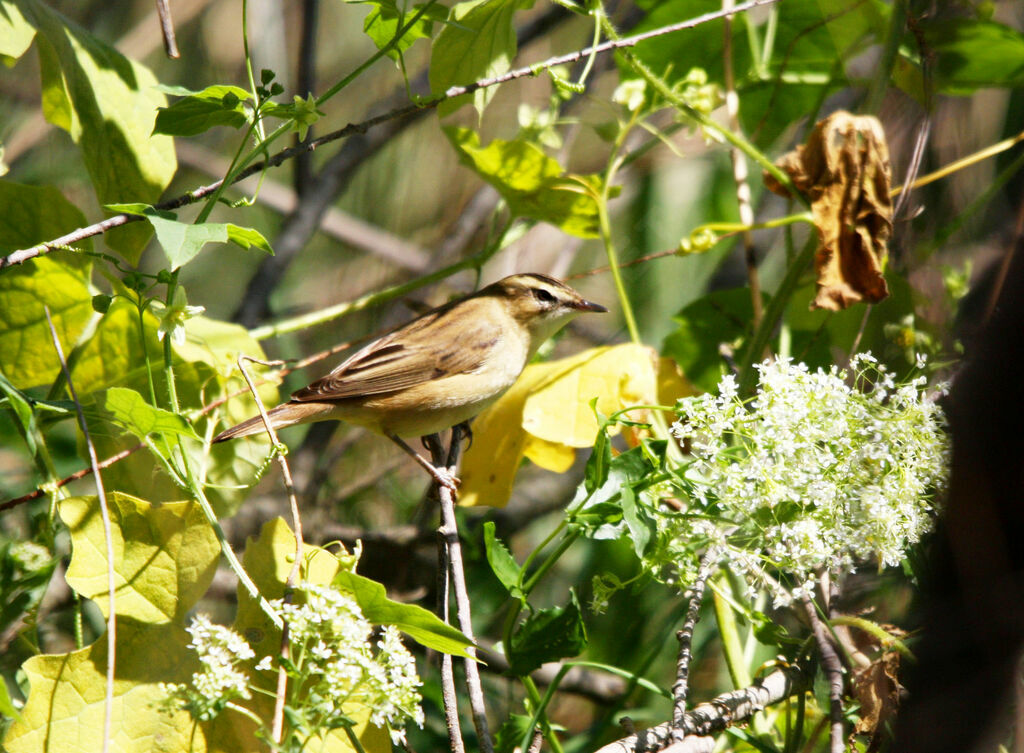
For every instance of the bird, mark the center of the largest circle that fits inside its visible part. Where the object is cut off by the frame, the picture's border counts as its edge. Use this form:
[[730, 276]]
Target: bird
[[437, 371]]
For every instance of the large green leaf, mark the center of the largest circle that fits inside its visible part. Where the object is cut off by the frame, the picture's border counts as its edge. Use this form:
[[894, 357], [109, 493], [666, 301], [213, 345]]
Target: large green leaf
[[533, 184], [114, 357], [972, 54], [66, 703], [108, 104], [164, 555], [809, 37], [58, 280], [478, 42], [181, 241]]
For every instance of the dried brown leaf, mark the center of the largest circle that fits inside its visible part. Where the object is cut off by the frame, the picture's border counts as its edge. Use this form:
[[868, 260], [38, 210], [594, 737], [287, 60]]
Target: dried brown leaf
[[844, 169], [877, 689]]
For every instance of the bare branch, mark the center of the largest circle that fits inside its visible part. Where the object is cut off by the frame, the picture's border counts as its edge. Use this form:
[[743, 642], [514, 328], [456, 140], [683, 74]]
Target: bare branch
[[685, 637], [833, 668], [716, 715], [163, 11]]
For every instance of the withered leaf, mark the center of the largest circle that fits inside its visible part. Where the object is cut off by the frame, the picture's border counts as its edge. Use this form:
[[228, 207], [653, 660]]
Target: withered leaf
[[877, 688], [844, 169]]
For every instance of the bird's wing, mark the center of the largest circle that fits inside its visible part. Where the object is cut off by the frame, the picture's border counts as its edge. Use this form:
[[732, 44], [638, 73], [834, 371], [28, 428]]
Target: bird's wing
[[425, 349]]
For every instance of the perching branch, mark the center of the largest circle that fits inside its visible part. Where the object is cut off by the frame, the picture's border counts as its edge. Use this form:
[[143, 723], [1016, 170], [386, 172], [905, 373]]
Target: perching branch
[[203, 192], [449, 532]]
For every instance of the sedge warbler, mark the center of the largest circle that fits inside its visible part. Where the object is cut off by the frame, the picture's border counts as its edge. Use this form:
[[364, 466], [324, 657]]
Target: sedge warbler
[[440, 369]]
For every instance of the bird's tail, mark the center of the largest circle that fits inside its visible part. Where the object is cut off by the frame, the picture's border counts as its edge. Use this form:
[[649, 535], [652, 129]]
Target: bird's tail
[[286, 414]]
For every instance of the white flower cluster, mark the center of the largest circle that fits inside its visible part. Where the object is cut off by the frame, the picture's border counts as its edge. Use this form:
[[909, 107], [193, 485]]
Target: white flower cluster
[[220, 680], [331, 644], [334, 665], [812, 474]]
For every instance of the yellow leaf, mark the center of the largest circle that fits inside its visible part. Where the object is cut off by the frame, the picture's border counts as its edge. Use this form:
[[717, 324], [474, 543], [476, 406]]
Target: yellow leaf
[[547, 413]]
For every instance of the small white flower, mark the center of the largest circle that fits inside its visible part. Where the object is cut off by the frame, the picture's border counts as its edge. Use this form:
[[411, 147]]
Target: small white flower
[[173, 317], [630, 94]]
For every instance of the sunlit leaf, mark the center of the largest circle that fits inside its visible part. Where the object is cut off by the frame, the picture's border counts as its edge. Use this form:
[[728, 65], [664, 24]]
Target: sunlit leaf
[[58, 280], [65, 707], [131, 411], [533, 184], [551, 403], [164, 555], [107, 103], [479, 42]]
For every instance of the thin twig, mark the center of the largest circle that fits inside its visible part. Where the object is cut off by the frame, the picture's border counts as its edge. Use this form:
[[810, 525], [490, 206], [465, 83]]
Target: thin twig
[[163, 11], [108, 536], [22, 255], [833, 668], [680, 688], [293, 574], [740, 169], [449, 526]]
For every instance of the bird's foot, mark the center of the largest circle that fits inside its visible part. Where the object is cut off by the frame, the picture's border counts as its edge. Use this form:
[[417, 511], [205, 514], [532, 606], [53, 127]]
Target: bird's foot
[[445, 478]]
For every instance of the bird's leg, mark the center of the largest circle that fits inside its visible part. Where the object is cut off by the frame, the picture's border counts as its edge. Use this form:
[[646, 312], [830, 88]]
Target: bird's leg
[[440, 475]]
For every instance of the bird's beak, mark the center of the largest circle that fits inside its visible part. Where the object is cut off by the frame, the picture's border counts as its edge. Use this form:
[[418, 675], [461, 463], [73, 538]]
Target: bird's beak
[[582, 305]]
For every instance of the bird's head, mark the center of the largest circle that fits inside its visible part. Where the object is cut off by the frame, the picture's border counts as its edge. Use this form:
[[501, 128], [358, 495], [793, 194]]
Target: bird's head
[[540, 303]]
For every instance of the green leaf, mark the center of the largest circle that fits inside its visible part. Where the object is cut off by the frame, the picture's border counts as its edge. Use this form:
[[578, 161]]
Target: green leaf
[[196, 112], [809, 37], [384, 21], [479, 42], [641, 526], [65, 707], [164, 555], [604, 511], [532, 183], [182, 241], [720, 317], [19, 404], [16, 33], [108, 104], [59, 280], [421, 625], [547, 635], [7, 707], [511, 733], [596, 472], [502, 562], [205, 371], [130, 411], [973, 54]]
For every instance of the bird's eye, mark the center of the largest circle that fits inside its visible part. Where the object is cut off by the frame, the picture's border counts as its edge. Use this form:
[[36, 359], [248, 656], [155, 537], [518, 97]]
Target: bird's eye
[[543, 296]]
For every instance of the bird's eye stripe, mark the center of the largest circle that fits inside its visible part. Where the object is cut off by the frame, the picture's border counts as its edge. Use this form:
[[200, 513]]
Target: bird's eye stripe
[[543, 295]]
